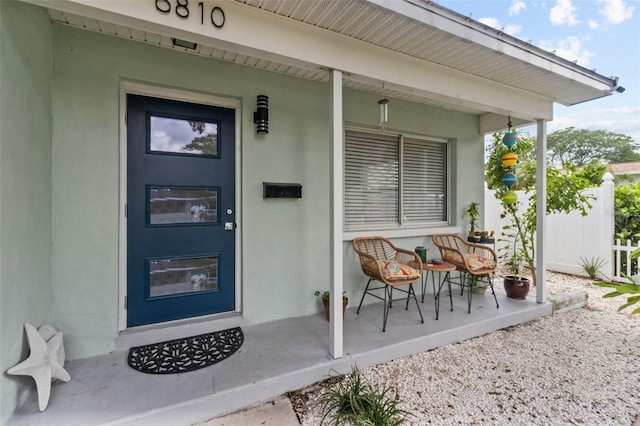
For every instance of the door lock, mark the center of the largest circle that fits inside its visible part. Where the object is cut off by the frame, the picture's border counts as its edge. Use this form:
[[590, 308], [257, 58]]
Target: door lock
[[229, 226]]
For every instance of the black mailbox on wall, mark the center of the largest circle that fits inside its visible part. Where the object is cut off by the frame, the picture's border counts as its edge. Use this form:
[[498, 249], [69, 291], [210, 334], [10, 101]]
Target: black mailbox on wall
[[281, 190]]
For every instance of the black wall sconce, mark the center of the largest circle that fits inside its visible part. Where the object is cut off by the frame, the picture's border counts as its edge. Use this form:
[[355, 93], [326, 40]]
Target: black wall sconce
[[261, 116]]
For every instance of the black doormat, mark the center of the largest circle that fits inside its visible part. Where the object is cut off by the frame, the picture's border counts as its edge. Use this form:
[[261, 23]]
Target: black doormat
[[187, 354]]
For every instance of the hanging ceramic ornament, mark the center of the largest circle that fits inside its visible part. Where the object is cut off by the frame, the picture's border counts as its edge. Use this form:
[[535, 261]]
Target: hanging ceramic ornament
[[509, 179], [509, 139], [510, 197], [509, 159]]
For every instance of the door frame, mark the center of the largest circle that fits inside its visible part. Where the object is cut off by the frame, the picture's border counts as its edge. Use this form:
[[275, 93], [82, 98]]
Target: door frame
[[146, 89]]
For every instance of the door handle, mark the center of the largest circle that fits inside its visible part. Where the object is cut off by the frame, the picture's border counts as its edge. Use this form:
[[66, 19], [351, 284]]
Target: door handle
[[229, 226]]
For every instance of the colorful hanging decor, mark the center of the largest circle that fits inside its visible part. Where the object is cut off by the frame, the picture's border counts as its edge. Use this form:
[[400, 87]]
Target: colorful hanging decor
[[510, 197], [509, 179], [509, 139], [509, 159]]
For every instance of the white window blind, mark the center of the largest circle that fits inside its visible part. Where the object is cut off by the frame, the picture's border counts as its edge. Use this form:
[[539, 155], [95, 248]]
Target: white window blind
[[424, 181], [371, 178], [383, 189]]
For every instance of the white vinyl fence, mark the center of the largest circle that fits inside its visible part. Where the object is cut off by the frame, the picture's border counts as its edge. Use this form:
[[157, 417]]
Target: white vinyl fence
[[623, 262], [571, 238]]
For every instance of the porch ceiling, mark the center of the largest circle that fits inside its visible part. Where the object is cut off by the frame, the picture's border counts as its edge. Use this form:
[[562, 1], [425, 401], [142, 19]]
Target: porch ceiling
[[283, 66], [416, 28]]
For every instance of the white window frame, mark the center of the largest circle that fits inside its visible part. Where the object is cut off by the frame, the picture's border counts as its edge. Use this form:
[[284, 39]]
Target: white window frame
[[399, 229]]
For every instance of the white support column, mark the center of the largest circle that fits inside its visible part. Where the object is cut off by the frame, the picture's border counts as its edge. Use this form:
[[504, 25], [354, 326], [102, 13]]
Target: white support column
[[541, 211], [608, 225], [336, 214]]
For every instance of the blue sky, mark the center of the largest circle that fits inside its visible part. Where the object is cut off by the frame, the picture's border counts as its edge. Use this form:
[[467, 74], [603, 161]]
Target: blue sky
[[600, 34]]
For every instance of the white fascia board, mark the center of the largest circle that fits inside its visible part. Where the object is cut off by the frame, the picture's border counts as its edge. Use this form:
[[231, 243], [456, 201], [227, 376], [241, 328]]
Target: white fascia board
[[498, 42], [270, 35]]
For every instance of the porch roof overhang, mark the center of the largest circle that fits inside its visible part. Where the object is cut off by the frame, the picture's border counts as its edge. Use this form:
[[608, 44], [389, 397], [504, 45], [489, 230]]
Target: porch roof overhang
[[414, 50], [411, 49]]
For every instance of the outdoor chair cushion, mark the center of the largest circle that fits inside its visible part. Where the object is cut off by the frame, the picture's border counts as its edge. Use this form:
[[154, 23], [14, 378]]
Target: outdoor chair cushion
[[475, 262], [393, 271]]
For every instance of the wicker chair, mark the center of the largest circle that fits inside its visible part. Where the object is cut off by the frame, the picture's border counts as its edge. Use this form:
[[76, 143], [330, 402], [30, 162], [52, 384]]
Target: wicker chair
[[475, 262], [377, 255]]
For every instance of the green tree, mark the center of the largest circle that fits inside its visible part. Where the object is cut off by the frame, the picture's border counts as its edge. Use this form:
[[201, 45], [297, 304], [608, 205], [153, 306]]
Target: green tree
[[564, 194], [207, 144], [627, 211], [582, 146]]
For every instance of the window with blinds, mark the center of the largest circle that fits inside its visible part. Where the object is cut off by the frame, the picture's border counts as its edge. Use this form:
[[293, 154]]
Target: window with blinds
[[391, 180]]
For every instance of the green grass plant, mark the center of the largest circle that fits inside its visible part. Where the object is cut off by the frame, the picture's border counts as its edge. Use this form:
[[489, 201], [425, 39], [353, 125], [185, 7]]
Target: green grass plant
[[592, 266], [353, 401]]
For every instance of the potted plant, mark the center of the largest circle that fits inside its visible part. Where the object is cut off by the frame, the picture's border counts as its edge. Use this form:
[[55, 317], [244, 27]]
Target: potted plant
[[478, 285], [488, 237], [325, 295], [473, 212], [564, 192], [515, 285]]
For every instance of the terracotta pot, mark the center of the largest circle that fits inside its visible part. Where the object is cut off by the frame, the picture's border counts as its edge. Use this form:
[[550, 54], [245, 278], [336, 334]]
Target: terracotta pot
[[327, 312], [516, 287]]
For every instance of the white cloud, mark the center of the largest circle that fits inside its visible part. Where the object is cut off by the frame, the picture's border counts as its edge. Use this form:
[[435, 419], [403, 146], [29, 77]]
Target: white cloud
[[570, 49], [563, 13], [516, 7], [160, 141], [623, 120], [615, 11], [624, 110], [593, 24], [510, 29], [492, 22]]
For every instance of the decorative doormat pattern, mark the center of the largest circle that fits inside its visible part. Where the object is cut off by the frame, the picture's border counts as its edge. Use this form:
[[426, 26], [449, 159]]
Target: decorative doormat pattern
[[187, 354]]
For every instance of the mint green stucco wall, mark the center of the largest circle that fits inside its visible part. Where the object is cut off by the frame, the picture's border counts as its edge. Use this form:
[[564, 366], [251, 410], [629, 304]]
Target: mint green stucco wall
[[285, 245], [25, 187], [466, 167]]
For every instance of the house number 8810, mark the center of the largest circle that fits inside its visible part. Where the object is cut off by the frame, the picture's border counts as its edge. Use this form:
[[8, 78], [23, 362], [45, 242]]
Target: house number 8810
[[181, 9]]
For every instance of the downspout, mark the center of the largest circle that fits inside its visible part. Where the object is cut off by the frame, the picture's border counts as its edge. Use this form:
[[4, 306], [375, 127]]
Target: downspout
[[336, 215], [541, 211]]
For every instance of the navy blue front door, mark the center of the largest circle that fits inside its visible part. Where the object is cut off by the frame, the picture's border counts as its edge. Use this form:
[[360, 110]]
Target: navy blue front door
[[180, 210]]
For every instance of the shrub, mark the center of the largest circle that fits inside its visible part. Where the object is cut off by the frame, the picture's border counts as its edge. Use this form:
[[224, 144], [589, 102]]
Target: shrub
[[631, 288], [627, 211], [564, 194], [353, 401]]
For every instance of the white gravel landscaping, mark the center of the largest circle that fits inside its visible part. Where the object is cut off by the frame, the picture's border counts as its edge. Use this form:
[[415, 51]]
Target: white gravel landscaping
[[574, 368]]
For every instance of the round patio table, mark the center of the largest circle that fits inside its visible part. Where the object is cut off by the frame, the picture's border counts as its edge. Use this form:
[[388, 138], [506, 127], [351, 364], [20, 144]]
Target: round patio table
[[445, 267]]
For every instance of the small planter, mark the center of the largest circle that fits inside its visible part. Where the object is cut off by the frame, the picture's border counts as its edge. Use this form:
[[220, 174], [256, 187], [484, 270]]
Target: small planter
[[480, 288], [516, 287], [327, 312]]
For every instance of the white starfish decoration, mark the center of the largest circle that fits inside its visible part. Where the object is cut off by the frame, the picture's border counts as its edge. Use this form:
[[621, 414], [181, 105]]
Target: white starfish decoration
[[43, 363]]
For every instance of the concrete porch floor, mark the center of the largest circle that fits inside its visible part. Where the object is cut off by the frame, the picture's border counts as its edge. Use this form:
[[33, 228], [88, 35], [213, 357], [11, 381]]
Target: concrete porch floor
[[276, 357]]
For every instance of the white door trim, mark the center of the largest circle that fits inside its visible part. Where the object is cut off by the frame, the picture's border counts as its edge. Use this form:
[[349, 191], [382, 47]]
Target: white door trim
[[146, 89]]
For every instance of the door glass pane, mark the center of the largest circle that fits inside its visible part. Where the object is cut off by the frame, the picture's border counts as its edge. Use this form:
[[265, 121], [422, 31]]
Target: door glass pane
[[174, 135], [175, 276], [170, 205]]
